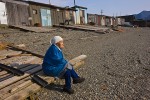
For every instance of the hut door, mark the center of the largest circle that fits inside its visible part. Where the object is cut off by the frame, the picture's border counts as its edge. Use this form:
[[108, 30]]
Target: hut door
[[3, 15], [46, 17]]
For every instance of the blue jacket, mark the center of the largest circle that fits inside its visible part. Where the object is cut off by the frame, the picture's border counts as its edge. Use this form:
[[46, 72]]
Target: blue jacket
[[53, 62]]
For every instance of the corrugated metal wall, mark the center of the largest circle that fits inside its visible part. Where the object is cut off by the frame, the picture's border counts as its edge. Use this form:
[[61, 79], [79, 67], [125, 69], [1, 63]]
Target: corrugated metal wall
[[17, 14]]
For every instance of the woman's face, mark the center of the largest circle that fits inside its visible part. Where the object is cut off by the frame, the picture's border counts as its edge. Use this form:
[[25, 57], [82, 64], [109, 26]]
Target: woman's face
[[60, 44]]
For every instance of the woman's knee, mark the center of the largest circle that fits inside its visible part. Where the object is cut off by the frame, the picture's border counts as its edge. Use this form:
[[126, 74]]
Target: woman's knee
[[67, 73]]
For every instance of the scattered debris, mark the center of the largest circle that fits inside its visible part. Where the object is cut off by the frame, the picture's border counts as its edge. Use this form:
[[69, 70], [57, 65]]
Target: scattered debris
[[118, 29], [3, 45], [21, 45]]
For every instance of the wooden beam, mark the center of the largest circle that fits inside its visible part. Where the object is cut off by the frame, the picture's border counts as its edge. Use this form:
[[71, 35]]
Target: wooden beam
[[11, 69], [43, 76], [16, 78], [3, 73], [25, 67], [29, 52], [5, 92]]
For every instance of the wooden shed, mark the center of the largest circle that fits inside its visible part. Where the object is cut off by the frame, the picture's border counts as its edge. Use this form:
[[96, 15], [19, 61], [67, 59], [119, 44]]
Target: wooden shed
[[110, 21], [14, 12], [92, 18], [99, 20], [80, 14], [42, 14]]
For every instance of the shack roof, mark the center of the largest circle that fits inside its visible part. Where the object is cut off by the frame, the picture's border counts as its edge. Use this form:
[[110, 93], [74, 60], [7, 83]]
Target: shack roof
[[21, 2], [49, 5], [79, 7]]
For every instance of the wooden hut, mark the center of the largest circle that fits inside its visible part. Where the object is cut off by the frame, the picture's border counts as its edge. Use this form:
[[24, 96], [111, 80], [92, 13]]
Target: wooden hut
[[14, 12], [99, 20], [92, 18], [80, 15], [47, 15]]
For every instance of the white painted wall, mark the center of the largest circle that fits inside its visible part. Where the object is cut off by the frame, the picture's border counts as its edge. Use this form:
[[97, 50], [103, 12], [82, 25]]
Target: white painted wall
[[3, 14]]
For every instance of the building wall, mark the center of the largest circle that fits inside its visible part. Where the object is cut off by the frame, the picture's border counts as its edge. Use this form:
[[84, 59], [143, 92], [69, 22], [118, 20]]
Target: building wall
[[57, 15], [99, 20], [81, 16], [17, 14], [69, 15], [103, 21], [85, 16], [78, 16], [35, 14], [91, 18]]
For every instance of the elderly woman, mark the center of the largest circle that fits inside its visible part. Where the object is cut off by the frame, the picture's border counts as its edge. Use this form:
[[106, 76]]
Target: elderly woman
[[54, 64]]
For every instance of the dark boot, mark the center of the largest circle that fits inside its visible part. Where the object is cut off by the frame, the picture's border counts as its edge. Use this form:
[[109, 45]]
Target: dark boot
[[69, 91], [78, 80]]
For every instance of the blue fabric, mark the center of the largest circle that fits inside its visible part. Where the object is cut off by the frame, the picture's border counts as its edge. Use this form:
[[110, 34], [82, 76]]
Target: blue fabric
[[53, 62], [68, 74]]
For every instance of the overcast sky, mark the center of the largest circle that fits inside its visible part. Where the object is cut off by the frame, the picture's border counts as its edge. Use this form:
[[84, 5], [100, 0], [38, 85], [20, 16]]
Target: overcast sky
[[109, 7]]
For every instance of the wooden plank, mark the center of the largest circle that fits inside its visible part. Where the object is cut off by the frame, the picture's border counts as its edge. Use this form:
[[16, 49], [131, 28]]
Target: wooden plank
[[29, 52], [34, 87], [83, 28], [30, 89], [5, 53], [21, 86], [16, 78], [15, 65], [12, 70], [40, 74], [2, 57], [77, 59], [35, 62], [9, 90], [5, 92], [3, 73], [15, 61], [9, 56], [34, 29], [7, 76]]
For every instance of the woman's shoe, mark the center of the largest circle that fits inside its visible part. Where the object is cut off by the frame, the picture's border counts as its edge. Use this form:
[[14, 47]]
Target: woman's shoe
[[69, 91], [78, 80]]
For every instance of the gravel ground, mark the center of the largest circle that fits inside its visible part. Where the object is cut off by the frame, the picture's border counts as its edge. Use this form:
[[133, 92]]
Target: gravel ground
[[117, 67]]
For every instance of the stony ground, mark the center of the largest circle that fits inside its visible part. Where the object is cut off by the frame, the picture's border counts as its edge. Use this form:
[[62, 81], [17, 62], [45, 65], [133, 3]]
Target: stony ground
[[117, 67]]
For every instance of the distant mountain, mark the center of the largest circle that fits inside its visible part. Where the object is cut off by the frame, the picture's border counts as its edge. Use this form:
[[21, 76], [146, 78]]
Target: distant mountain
[[144, 15]]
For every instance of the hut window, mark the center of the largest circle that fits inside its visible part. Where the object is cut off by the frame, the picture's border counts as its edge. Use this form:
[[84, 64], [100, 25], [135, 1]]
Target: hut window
[[34, 11]]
